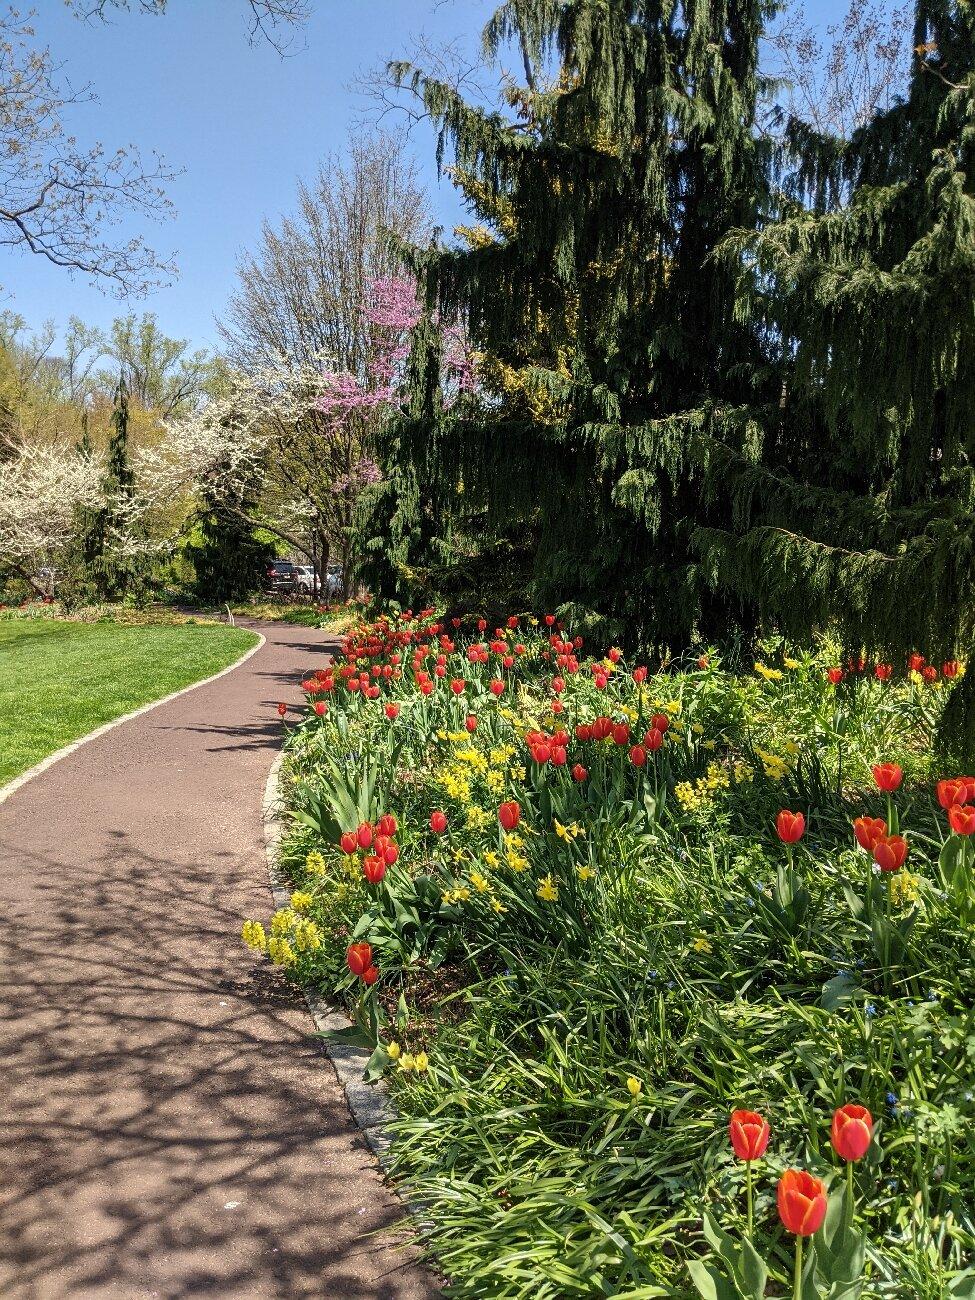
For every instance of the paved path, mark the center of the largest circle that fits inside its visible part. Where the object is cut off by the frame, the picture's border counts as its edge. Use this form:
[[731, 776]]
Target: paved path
[[166, 1128]]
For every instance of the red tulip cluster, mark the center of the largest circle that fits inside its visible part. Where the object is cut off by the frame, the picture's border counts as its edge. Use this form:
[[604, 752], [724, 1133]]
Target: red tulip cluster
[[801, 1197], [548, 749], [358, 958], [957, 796], [379, 839]]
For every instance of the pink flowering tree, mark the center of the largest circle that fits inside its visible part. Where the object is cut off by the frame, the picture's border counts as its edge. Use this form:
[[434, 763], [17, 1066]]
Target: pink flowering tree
[[301, 438]]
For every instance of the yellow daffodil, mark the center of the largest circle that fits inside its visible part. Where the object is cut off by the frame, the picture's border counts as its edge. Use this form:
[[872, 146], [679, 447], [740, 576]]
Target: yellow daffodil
[[633, 1086]]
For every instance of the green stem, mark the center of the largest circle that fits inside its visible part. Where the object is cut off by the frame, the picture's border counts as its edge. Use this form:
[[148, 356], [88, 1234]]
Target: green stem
[[797, 1276], [751, 1215], [849, 1195]]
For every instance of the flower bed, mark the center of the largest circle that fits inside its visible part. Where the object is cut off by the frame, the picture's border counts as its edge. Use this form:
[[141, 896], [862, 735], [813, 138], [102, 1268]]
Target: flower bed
[[671, 972]]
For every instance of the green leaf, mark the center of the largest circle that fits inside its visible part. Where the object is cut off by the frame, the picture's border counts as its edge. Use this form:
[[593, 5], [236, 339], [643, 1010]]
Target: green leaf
[[753, 1271], [709, 1282]]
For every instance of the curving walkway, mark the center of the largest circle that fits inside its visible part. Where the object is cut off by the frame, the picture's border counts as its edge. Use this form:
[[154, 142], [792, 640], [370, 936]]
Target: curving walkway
[[167, 1128]]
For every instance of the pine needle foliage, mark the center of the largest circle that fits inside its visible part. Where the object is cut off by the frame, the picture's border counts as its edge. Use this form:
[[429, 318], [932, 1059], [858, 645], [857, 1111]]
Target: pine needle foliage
[[589, 290], [860, 512]]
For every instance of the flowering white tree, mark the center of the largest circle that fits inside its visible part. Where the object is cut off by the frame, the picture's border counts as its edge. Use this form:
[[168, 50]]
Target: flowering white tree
[[42, 489]]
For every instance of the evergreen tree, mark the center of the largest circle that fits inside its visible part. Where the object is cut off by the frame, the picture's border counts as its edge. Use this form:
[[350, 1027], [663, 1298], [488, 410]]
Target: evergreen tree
[[117, 572], [605, 326], [80, 583], [230, 559], [860, 512]]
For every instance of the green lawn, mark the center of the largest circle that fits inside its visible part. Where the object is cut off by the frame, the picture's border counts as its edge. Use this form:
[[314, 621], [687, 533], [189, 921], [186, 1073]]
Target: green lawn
[[58, 681]]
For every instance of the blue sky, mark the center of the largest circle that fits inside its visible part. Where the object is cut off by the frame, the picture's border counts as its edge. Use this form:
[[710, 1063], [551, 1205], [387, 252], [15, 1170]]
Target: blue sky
[[242, 122]]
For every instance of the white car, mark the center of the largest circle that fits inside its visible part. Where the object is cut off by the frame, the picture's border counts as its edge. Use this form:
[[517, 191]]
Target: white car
[[305, 579]]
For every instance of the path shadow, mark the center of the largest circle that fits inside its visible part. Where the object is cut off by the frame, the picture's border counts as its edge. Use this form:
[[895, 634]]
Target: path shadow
[[166, 1099]]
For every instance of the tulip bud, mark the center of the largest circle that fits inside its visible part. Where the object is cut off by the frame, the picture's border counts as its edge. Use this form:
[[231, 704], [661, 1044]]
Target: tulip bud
[[438, 822], [364, 835]]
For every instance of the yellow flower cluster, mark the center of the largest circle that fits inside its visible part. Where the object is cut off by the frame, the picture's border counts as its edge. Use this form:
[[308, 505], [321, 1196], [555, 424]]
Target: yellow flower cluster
[[291, 934], [459, 895], [585, 873], [415, 1061], [568, 833], [700, 794], [315, 863], [301, 900], [254, 936], [770, 674], [547, 889], [775, 767], [903, 888]]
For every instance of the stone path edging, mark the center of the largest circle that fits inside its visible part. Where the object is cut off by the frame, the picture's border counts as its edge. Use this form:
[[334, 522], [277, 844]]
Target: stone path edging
[[370, 1103], [13, 786]]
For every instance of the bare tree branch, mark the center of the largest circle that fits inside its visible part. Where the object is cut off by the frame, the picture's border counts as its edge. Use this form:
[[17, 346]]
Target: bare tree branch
[[275, 21], [62, 202]]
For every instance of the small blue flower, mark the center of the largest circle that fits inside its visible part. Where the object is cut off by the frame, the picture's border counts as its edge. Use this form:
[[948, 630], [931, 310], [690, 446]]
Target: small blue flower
[[891, 1099], [871, 1010]]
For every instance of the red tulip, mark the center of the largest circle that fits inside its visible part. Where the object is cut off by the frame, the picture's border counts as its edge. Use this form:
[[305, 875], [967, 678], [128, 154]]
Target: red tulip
[[882, 672], [638, 756], [559, 755], [868, 830], [457, 685], [549, 619], [929, 673], [385, 848], [509, 815], [653, 739], [370, 975], [952, 791], [470, 722], [749, 1134], [621, 733], [558, 685], [321, 708], [888, 776], [583, 732], [438, 822], [601, 728], [639, 675], [364, 835], [660, 722], [387, 824], [426, 688], [851, 1132], [890, 852], [962, 819], [579, 773], [373, 868], [282, 709], [703, 662], [614, 655], [950, 669], [358, 957], [834, 676], [790, 827], [600, 681], [497, 687], [801, 1199], [915, 663], [392, 712]]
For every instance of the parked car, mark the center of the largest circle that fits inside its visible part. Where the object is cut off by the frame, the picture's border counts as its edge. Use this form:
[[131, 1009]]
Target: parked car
[[282, 575], [305, 579]]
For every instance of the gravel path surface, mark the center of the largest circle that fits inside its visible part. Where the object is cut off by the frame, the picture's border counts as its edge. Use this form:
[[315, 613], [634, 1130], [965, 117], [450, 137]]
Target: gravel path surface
[[166, 1126]]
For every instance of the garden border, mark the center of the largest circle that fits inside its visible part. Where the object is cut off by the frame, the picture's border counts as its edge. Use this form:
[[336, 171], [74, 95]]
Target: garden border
[[370, 1103], [15, 784]]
